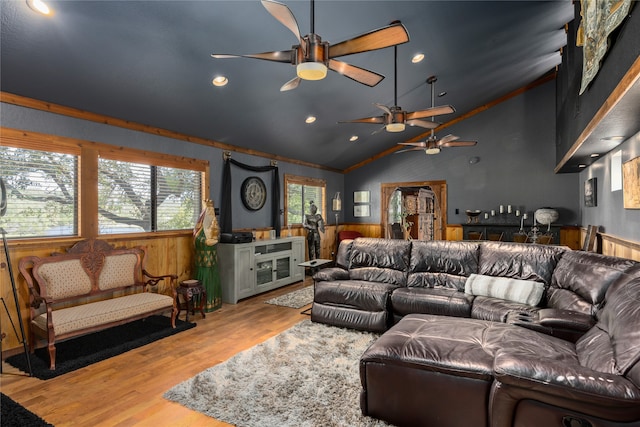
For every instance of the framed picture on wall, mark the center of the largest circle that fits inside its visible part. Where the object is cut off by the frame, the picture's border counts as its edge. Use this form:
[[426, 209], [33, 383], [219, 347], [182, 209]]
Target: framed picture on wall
[[590, 192], [631, 184], [361, 196], [361, 210]]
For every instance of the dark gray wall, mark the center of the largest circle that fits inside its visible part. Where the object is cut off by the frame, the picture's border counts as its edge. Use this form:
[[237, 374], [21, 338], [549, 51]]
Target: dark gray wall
[[54, 124], [516, 147], [609, 213], [576, 111]]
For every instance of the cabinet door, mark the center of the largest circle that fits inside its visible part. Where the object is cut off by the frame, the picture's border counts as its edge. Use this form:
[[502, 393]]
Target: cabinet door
[[297, 272], [245, 276]]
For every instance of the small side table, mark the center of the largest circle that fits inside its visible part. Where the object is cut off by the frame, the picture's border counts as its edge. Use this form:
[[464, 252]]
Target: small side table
[[188, 289], [314, 265]]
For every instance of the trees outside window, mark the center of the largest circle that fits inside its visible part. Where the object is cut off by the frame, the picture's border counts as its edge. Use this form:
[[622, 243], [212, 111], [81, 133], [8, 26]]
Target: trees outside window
[[50, 194], [299, 191]]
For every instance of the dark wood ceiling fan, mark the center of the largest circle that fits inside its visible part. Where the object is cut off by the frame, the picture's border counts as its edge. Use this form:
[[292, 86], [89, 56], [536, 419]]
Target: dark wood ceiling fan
[[433, 145], [395, 118], [312, 57]]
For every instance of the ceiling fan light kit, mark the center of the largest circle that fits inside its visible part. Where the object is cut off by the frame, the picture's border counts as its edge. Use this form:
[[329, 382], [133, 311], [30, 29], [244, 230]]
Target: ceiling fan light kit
[[311, 71], [395, 127], [432, 150]]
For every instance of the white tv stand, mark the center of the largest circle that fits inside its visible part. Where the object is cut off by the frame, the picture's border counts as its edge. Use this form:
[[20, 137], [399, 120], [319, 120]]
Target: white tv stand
[[247, 269]]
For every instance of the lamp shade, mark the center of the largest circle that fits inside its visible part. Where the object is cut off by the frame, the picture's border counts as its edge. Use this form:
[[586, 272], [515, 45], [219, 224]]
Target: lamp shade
[[311, 70], [336, 203]]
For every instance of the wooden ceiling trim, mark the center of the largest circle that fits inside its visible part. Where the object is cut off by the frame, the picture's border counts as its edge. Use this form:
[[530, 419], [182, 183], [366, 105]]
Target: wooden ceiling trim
[[23, 101]]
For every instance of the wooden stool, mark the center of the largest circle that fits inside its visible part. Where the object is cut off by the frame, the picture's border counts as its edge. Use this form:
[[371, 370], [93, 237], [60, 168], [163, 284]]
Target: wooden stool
[[188, 289]]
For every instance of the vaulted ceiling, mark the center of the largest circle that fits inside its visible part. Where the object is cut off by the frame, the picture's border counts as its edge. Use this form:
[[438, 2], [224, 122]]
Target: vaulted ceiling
[[150, 62]]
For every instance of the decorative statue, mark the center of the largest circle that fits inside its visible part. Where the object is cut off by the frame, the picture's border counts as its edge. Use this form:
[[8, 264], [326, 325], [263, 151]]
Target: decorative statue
[[314, 223], [205, 236]]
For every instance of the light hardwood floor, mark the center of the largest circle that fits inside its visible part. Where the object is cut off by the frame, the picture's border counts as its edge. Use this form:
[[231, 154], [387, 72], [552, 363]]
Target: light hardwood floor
[[127, 390]]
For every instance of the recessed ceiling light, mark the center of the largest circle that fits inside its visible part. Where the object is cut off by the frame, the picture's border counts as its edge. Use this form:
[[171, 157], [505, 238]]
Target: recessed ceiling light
[[220, 81], [353, 138], [443, 93], [582, 166], [39, 6], [418, 57], [594, 155], [310, 119]]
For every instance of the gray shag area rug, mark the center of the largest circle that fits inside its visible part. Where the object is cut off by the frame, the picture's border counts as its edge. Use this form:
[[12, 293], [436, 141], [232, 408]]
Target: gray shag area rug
[[295, 299], [307, 376]]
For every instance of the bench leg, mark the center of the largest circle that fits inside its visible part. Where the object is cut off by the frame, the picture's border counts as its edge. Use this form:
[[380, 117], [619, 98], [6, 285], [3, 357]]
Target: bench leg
[[52, 356]]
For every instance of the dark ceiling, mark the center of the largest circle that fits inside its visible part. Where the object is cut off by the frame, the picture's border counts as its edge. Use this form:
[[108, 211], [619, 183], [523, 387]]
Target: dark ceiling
[[149, 63]]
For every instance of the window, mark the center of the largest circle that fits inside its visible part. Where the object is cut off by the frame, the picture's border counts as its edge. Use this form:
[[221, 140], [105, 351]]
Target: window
[[616, 171], [41, 192], [299, 192], [87, 189], [134, 197]]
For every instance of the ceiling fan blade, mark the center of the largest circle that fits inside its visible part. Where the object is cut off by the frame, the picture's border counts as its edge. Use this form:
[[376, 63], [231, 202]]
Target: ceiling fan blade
[[409, 149], [373, 120], [447, 139], [430, 112], [358, 74], [423, 123], [378, 130], [383, 107], [283, 14], [459, 144], [391, 35], [291, 84], [286, 56], [422, 144]]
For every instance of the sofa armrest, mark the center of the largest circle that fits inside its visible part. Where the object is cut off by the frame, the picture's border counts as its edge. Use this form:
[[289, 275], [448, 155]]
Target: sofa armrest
[[331, 274], [565, 319], [564, 379]]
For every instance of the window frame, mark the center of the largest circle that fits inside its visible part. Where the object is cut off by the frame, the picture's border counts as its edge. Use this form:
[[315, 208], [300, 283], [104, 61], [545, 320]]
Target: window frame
[[88, 153], [303, 180]]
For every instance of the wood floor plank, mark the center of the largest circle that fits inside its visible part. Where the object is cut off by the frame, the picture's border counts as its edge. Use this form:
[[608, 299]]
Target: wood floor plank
[[126, 390]]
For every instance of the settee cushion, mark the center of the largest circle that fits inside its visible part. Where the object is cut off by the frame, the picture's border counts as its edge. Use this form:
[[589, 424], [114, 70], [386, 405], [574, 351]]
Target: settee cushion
[[523, 291], [519, 261], [581, 279], [87, 316]]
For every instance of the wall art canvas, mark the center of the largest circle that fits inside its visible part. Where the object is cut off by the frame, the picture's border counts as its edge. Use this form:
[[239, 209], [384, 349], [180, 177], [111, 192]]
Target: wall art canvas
[[590, 192], [631, 183]]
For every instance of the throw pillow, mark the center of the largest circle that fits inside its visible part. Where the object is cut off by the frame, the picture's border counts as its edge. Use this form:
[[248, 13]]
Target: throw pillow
[[522, 291]]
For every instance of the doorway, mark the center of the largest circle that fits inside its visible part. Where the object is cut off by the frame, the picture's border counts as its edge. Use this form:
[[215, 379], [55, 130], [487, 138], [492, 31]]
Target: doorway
[[414, 210]]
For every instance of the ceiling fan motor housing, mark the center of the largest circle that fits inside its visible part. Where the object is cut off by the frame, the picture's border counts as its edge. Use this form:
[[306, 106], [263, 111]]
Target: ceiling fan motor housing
[[317, 52]]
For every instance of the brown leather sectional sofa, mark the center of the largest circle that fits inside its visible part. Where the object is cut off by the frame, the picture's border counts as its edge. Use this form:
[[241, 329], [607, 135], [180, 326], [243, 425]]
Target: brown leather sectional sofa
[[489, 333]]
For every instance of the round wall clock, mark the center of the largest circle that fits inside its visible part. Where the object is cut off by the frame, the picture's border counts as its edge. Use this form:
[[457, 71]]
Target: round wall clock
[[253, 193]]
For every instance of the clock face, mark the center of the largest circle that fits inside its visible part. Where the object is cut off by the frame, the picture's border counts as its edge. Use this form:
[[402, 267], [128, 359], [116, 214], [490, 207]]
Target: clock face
[[253, 193]]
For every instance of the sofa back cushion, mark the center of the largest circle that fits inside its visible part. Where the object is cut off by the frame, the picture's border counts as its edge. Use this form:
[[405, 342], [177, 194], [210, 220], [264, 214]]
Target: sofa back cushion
[[62, 278], [519, 260], [581, 279], [344, 253], [119, 270], [620, 318], [380, 260], [442, 263]]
